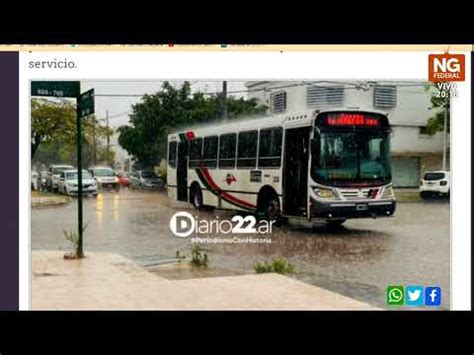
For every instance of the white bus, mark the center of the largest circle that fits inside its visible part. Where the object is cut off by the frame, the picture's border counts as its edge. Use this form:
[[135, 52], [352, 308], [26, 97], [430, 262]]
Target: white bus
[[323, 166]]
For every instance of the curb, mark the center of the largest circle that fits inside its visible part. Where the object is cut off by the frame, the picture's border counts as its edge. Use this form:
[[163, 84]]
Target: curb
[[37, 202], [407, 196], [117, 283]]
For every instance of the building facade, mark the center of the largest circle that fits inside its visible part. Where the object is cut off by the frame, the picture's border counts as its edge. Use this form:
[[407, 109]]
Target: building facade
[[407, 105]]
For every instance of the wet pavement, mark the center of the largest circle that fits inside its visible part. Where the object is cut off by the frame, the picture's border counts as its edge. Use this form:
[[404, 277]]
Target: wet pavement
[[358, 261]]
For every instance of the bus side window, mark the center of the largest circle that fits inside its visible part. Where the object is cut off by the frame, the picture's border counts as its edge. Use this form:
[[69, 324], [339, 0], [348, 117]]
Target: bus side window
[[195, 153], [210, 152], [247, 149], [269, 155], [172, 154], [227, 151]]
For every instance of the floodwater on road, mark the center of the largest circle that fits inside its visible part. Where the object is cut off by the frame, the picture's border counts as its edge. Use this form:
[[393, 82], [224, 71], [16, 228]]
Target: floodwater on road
[[359, 260]]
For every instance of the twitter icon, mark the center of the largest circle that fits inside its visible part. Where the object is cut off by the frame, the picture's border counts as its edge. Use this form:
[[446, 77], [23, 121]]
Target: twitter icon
[[414, 295]]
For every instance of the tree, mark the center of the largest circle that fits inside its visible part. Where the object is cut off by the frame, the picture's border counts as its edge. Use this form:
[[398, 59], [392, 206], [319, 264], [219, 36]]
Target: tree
[[159, 114], [438, 104], [51, 122], [105, 155], [53, 125]]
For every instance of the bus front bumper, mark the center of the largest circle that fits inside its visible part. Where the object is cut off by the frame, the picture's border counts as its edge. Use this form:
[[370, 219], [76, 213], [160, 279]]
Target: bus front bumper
[[352, 209]]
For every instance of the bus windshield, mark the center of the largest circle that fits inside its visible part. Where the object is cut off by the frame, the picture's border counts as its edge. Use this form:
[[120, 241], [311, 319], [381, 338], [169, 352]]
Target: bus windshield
[[359, 156]]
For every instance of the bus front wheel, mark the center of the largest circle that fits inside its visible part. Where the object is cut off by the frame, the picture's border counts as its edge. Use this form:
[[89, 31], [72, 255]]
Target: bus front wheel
[[196, 197]]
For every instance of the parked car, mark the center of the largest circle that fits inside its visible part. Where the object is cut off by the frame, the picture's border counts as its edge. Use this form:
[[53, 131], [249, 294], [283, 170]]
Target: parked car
[[124, 179], [145, 179], [69, 185], [52, 180], [34, 180], [106, 178], [435, 183], [42, 179]]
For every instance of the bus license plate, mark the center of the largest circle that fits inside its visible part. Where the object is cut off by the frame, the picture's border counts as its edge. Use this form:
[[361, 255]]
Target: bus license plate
[[361, 207]]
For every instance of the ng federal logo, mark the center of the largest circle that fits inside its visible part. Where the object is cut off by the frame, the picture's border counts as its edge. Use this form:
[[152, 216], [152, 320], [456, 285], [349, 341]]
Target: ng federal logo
[[446, 67]]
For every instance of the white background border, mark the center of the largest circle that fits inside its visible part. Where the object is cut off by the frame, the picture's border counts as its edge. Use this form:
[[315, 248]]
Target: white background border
[[177, 65]]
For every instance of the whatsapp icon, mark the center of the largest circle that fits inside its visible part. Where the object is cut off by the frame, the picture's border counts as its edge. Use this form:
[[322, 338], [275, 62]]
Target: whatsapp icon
[[395, 295]]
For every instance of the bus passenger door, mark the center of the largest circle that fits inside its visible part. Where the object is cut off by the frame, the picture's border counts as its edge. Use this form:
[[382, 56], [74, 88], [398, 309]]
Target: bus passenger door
[[295, 171], [182, 171]]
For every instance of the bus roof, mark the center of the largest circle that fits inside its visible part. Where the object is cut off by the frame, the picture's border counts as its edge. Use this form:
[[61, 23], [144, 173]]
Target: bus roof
[[293, 119]]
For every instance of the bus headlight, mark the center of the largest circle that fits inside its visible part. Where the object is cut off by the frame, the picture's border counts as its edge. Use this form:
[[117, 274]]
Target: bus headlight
[[388, 192], [325, 193]]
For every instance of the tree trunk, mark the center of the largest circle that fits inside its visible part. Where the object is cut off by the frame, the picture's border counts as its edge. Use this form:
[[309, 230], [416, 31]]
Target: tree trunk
[[35, 143]]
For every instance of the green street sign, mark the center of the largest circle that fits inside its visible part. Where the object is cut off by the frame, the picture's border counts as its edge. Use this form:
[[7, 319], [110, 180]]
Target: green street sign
[[85, 103], [56, 88]]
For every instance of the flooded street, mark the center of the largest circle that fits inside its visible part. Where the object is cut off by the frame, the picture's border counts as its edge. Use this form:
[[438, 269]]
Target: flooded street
[[359, 260]]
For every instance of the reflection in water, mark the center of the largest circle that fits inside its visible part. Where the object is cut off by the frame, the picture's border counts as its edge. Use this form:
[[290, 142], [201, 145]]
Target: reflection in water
[[116, 207], [99, 209], [359, 260], [314, 245]]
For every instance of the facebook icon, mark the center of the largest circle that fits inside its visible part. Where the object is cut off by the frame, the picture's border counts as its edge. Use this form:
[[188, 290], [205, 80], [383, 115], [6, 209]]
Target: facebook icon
[[433, 296]]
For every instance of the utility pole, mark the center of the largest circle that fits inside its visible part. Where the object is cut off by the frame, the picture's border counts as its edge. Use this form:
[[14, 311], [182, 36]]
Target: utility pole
[[445, 134], [224, 100], [108, 135], [95, 140]]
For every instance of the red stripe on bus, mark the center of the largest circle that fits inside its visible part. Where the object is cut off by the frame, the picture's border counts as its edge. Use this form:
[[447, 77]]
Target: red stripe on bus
[[216, 188]]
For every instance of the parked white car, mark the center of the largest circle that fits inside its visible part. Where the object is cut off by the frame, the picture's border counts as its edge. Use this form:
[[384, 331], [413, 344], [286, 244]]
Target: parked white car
[[435, 183], [68, 183], [106, 177], [52, 180], [34, 180], [43, 180]]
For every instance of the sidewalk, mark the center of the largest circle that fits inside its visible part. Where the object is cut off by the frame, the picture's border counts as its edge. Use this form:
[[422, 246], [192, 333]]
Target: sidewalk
[[107, 281], [407, 195], [41, 201]]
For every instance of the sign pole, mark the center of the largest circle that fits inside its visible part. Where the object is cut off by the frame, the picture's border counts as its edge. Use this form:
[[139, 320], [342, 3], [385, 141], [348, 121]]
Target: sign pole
[[84, 107], [80, 252]]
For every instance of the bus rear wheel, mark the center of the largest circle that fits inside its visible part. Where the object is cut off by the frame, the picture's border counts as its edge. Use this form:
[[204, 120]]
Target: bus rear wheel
[[196, 197]]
